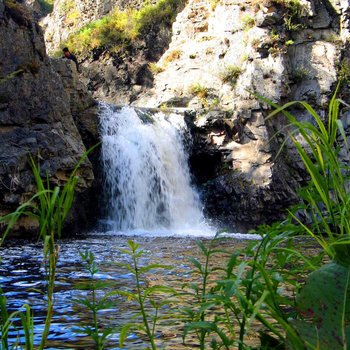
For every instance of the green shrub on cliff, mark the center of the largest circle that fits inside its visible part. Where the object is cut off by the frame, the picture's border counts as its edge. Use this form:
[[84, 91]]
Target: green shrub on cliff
[[105, 32], [122, 27], [162, 14], [231, 74]]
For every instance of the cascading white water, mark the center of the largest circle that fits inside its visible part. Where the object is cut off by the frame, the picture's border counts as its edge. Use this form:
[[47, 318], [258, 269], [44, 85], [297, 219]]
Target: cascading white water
[[148, 183]]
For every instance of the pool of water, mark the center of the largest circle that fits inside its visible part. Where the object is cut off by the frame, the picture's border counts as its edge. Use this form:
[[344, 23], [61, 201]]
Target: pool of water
[[22, 278]]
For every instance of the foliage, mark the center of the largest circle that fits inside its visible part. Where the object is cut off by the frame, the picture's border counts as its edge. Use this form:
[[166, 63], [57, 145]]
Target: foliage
[[66, 6], [156, 296], [123, 27], [214, 4], [254, 289], [199, 90], [155, 68], [94, 304], [198, 313], [231, 74], [11, 75], [49, 207], [325, 204], [261, 284], [105, 32], [295, 10], [323, 305], [325, 201], [73, 17], [152, 17], [344, 71], [9, 322], [248, 22], [172, 55], [246, 291]]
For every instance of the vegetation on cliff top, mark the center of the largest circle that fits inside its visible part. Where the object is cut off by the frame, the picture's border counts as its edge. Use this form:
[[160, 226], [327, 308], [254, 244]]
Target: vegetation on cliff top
[[120, 28]]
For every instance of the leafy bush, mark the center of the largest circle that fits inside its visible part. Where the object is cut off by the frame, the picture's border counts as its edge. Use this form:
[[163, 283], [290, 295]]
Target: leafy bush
[[105, 32], [230, 75], [152, 17], [248, 22], [199, 90], [123, 27]]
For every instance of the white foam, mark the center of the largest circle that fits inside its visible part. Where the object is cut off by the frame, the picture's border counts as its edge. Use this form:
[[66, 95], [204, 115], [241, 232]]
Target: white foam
[[191, 233]]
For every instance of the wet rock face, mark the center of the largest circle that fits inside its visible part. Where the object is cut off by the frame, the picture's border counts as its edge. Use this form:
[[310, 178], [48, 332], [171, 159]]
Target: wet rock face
[[35, 112]]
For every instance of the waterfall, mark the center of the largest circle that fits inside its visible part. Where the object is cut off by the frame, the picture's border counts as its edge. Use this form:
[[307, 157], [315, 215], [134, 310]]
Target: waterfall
[[148, 183]]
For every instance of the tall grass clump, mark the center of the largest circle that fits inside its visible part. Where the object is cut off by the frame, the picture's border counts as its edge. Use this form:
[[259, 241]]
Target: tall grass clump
[[325, 200], [49, 207], [163, 13], [231, 74], [325, 208]]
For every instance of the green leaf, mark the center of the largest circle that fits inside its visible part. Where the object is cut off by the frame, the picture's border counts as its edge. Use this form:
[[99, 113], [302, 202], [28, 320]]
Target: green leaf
[[133, 246], [154, 266], [196, 263], [159, 289], [324, 308], [202, 247], [125, 330], [128, 295]]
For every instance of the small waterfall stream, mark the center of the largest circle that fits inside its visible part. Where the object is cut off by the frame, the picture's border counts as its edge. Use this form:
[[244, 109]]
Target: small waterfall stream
[[148, 183]]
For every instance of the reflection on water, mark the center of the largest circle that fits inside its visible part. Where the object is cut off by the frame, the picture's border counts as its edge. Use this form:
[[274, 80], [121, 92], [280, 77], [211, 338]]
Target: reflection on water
[[22, 278]]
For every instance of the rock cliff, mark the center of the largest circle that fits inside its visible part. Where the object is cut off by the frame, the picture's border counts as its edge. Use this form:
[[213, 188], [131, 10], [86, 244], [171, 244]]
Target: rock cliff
[[39, 100], [219, 55], [216, 56]]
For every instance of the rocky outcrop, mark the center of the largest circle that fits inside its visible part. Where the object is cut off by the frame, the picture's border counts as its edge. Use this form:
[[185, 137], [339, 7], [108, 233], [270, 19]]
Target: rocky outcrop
[[223, 54], [37, 112], [116, 75], [218, 54]]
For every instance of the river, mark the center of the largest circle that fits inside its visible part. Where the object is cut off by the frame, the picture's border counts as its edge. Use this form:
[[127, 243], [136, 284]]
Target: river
[[22, 277]]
